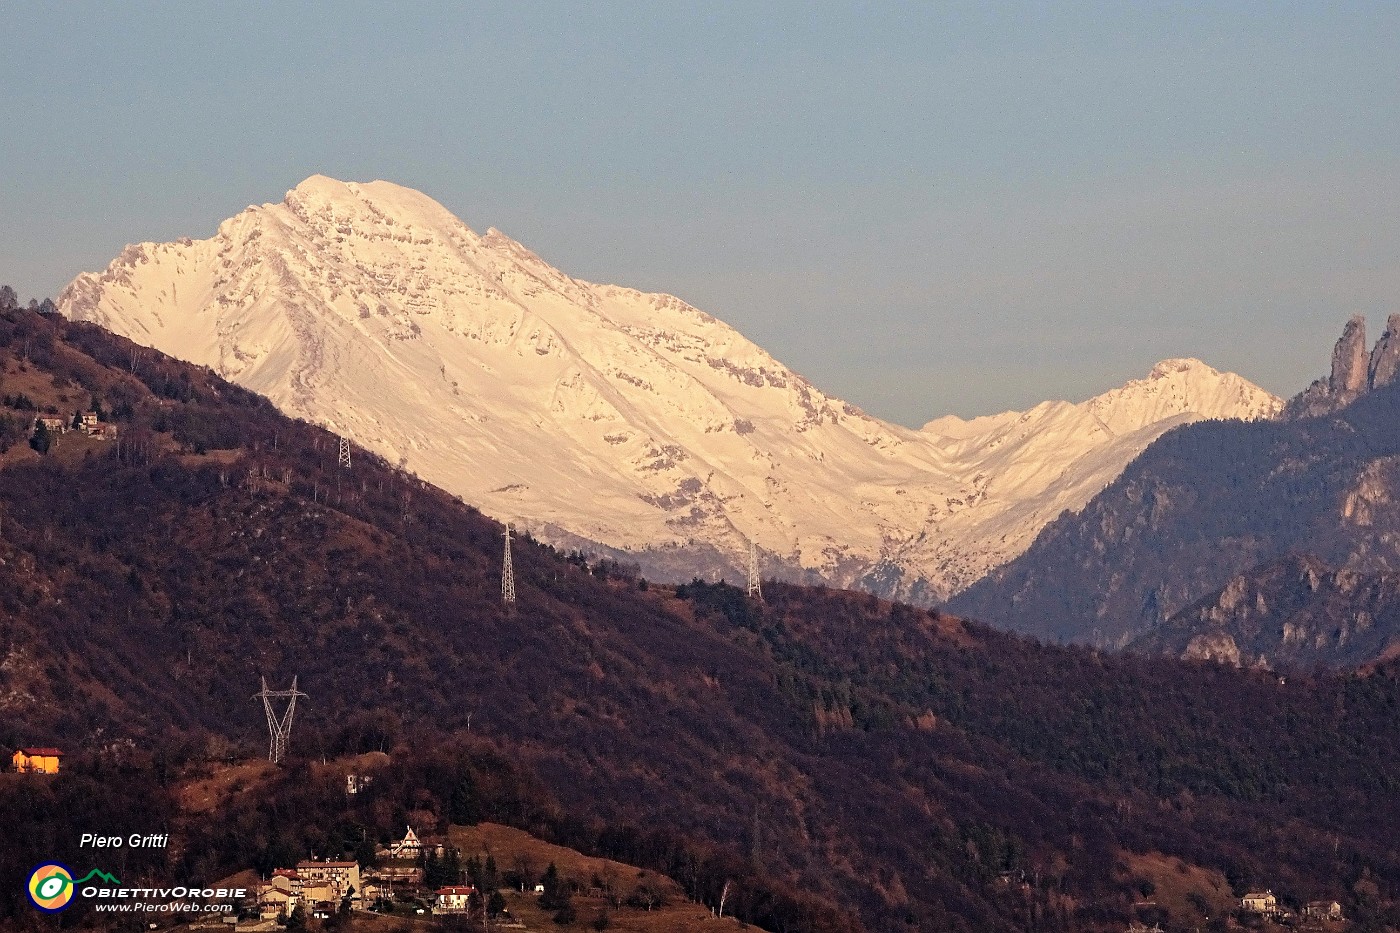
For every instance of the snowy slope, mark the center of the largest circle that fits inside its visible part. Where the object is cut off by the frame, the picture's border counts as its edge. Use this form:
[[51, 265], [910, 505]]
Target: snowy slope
[[604, 414]]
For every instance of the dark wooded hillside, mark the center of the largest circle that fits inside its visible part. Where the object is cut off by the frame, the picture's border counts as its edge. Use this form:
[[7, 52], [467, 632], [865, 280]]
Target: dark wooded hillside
[[851, 762]]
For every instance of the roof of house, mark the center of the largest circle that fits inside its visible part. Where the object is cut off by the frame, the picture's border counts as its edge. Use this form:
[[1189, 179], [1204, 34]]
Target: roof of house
[[328, 864], [457, 889], [1258, 895], [41, 752]]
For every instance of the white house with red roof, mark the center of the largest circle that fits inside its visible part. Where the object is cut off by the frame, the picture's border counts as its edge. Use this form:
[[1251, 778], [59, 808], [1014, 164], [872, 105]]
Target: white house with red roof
[[453, 899]]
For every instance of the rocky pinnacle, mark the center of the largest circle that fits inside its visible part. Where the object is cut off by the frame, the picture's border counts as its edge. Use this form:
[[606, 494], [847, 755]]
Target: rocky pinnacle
[[1385, 358], [1349, 360]]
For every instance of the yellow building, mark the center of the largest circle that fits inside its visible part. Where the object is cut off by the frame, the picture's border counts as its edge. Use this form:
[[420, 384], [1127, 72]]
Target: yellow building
[[37, 760], [1260, 902]]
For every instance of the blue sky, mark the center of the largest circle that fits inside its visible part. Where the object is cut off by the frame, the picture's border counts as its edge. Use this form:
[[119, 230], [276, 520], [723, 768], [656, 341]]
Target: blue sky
[[925, 208]]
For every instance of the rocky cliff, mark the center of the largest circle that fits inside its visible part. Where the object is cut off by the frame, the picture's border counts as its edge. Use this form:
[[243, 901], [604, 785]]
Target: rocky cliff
[[1354, 371], [1294, 611]]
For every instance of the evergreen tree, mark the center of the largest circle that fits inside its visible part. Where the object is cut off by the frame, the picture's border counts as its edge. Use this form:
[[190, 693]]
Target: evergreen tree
[[432, 869], [365, 853], [464, 807], [557, 895], [452, 867]]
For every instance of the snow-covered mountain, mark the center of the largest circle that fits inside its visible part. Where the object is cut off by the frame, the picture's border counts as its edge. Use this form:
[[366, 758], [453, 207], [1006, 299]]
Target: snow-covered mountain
[[596, 413]]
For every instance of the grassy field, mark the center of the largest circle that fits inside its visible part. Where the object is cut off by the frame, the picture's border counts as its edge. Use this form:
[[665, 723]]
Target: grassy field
[[207, 793], [1190, 893], [601, 883]]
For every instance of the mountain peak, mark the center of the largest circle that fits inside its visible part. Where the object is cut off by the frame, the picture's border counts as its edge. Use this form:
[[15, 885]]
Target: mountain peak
[[473, 362], [324, 198], [1175, 365], [321, 190], [319, 184], [1181, 387]]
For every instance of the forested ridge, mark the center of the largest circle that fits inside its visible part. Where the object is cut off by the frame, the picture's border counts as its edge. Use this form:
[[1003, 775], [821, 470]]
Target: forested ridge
[[850, 763]]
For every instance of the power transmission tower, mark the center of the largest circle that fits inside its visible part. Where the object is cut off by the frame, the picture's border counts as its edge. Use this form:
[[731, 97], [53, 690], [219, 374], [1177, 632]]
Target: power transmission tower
[[755, 588], [280, 728], [345, 452], [507, 575]]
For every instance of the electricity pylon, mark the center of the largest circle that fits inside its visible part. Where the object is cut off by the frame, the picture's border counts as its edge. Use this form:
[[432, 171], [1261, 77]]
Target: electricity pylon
[[280, 728], [507, 575], [755, 588]]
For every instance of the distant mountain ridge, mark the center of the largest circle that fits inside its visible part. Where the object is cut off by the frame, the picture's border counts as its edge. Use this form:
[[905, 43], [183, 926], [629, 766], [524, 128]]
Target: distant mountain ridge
[[1249, 543], [599, 415]]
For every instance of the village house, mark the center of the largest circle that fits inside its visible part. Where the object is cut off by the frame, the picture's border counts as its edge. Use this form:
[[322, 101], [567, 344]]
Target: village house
[[52, 423], [88, 423], [273, 901], [319, 898], [286, 879], [409, 847], [453, 899], [394, 875], [1260, 902], [1323, 910], [329, 882], [37, 760]]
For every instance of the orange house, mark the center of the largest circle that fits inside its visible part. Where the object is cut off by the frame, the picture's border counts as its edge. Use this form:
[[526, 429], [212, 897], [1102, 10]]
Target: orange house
[[37, 760]]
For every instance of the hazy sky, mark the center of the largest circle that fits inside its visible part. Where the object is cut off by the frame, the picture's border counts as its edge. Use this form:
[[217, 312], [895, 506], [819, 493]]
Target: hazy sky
[[924, 208]]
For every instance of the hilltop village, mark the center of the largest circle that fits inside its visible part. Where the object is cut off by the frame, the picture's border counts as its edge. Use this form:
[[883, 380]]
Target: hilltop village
[[489, 876]]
